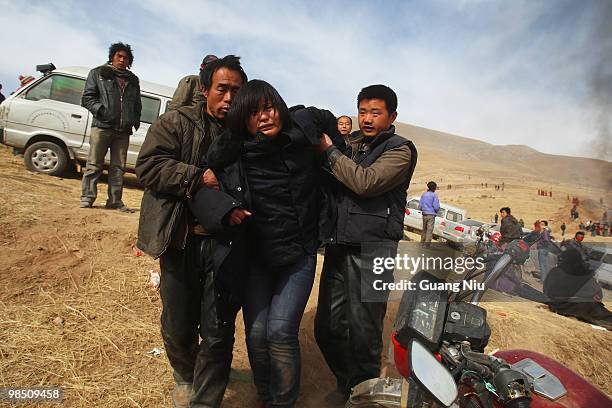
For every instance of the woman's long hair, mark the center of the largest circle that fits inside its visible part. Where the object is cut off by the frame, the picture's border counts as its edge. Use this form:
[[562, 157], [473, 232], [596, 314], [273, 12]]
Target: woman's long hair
[[249, 99]]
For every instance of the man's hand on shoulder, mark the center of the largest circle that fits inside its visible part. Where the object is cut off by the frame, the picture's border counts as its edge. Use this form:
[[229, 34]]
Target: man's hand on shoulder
[[325, 144]]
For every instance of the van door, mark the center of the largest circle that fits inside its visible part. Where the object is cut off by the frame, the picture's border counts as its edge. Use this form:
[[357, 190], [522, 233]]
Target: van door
[[150, 111], [439, 222], [413, 217], [52, 104]]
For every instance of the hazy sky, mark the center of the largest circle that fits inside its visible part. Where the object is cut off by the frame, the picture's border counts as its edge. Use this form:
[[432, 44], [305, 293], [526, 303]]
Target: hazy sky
[[537, 73]]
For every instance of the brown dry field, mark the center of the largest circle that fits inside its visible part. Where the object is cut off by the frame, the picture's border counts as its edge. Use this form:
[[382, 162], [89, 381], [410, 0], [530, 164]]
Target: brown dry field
[[79, 314]]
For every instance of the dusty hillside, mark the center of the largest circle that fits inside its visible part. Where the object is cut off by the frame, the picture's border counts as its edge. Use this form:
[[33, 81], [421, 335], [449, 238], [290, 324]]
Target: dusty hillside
[[77, 311], [513, 162]]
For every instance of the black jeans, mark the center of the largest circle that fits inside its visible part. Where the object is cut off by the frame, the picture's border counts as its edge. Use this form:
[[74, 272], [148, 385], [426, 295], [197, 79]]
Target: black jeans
[[348, 331], [193, 309]]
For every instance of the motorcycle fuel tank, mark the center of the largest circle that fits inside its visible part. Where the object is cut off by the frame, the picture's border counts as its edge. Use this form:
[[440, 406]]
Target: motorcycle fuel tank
[[573, 392]]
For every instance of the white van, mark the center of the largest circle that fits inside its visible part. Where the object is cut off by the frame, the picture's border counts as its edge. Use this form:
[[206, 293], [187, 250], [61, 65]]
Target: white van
[[448, 222], [45, 121]]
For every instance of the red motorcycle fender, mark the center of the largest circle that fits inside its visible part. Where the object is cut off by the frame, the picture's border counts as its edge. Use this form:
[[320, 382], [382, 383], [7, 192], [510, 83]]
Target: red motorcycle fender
[[580, 393]]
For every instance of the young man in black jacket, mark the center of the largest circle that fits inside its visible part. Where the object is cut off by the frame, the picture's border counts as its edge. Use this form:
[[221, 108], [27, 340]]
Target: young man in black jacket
[[374, 174], [112, 95]]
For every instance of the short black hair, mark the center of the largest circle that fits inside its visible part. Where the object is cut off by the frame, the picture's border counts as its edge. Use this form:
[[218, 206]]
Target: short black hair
[[344, 116], [379, 92], [248, 100], [579, 233], [116, 47], [432, 186], [506, 209], [231, 62], [545, 222]]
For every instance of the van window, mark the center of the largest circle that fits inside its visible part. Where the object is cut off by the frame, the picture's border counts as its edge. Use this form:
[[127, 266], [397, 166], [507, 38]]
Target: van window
[[607, 259], [413, 204], [150, 109], [58, 88], [441, 212], [453, 216]]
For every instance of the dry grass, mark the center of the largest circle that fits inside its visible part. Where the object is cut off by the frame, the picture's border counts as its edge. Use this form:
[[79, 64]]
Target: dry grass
[[77, 311]]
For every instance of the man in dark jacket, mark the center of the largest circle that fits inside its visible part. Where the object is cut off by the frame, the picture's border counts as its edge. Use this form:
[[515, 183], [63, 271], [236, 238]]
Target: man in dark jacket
[[172, 167], [189, 91], [112, 95], [510, 228], [573, 290], [375, 174]]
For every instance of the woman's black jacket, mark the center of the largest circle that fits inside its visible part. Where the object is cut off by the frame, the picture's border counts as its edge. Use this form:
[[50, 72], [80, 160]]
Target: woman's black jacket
[[308, 185]]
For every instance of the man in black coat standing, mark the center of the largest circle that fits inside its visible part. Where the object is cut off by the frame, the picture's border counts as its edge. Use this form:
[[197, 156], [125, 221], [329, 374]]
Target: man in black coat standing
[[112, 95]]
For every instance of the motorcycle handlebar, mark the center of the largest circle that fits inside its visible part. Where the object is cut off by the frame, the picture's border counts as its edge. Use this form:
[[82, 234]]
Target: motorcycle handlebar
[[504, 261]]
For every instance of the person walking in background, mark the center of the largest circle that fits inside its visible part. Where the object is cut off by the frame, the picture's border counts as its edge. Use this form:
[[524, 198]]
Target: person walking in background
[[112, 95], [429, 205], [345, 125], [544, 244], [189, 89], [496, 217], [563, 227]]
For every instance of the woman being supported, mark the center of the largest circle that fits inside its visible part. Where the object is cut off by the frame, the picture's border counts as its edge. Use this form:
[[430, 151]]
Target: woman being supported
[[270, 180]]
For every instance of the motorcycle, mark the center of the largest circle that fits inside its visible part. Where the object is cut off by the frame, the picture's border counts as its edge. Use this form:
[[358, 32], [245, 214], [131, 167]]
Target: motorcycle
[[438, 346]]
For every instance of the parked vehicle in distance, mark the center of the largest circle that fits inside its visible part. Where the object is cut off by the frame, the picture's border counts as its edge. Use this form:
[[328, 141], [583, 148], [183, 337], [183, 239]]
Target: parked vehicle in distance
[[45, 121], [600, 261], [448, 223]]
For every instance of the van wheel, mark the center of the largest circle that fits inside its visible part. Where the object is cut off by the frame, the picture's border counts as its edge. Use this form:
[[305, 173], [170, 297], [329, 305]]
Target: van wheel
[[46, 157]]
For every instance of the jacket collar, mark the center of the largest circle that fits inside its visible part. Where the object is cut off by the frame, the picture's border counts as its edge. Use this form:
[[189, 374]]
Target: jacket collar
[[108, 72]]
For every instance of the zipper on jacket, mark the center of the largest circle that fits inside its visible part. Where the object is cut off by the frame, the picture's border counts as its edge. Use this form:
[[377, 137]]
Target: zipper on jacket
[[121, 107]]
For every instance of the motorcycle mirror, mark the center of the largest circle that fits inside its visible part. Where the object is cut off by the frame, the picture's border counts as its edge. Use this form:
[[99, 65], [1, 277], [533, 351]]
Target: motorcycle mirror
[[431, 375]]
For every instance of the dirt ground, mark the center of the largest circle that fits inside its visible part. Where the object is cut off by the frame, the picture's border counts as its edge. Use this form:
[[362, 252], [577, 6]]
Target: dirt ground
[[79, 314]]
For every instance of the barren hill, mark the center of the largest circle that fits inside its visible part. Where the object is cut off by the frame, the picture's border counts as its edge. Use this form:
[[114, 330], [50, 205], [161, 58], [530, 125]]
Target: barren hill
[[471, 157]]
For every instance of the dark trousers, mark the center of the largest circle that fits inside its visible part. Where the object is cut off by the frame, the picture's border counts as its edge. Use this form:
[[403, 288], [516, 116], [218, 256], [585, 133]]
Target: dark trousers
[[348, 330], [100, 142], [192, 310], [274, 305]]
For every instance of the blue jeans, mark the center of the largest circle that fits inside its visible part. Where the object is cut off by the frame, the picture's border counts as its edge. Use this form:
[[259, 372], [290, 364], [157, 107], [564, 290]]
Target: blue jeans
[[274, 305]]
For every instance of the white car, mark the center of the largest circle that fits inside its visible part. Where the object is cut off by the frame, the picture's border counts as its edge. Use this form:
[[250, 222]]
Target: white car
[[45, 121], [600, 260], [447, 225]]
